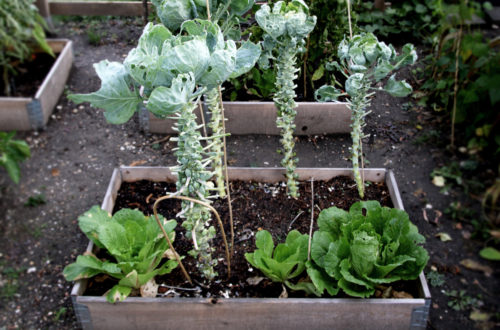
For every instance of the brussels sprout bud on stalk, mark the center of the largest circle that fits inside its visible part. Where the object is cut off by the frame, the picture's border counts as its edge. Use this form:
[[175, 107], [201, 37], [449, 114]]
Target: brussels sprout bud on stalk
[[286, 28]]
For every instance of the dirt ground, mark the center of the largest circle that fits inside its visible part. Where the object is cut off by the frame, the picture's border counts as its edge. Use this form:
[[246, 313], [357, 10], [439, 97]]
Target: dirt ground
[[73, 158]]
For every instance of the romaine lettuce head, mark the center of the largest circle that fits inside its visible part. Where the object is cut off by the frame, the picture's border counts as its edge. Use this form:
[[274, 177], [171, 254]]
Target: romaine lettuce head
[[135, 242], [367, 246]]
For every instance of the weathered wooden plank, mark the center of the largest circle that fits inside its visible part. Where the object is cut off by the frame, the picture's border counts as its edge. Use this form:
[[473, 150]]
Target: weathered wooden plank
[[13, 114], [97, 8], [244, 313], [260, 118], [53, 85]]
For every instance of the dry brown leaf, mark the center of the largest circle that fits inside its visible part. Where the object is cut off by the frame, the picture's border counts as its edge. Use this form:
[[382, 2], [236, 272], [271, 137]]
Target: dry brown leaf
[[495, 234], [55, 172], [401, 295], [474, 265], [138, 163], [444, 237], [254, 280]]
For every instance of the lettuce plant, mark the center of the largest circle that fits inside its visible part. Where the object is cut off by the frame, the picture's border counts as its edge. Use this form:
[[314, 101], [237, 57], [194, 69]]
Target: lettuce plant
[[134, 241], [282, 263], [365, 247], [285, 27], [364, 61], [12, 152]]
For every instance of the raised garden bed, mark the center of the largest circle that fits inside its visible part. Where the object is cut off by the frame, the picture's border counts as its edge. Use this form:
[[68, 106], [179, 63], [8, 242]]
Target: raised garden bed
[[312, 118], [266, 313], [26, 113]]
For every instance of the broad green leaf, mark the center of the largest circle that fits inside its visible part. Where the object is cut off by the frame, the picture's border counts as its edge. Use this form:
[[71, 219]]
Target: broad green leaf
[[364, 252], [114, 96], [75, 272], [222, 63], [321, 280], [354, 83], [490, 253], [173, 13], [165, 101], [191, 56], [90, 221], [356, 290], [397, 88], [264, 242], [246, 57], [327, 93], [240, 7], [319, 247], [12, 168], [274, 24], [118, 293], [319, 73], [144, 63], [408, 56], [330, 220], [130, 280], [114, 238], [382, 70]]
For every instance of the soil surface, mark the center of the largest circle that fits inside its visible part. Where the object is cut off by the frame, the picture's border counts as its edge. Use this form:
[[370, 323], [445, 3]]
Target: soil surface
[[29, 75], [73, 158]]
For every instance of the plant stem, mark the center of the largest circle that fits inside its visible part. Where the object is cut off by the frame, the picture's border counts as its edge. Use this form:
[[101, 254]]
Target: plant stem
[[192, 180], [216, 122], [357, 104], [285, 104], [312, 221], [455, 88], [224, 144]]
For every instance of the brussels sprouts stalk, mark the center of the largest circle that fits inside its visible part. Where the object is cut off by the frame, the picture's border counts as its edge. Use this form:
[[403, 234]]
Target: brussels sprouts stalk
[[192, 179], [286, 28], [284, 101], [363, 61]]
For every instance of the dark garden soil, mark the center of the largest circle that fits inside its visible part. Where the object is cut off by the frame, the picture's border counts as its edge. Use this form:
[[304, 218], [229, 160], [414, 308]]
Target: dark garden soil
[[30, 75], [73, 158]]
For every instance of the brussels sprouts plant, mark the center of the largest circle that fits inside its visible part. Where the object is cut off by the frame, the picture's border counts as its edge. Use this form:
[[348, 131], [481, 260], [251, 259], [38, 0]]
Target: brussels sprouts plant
[[286, 26], [364, 61], [167, 73]]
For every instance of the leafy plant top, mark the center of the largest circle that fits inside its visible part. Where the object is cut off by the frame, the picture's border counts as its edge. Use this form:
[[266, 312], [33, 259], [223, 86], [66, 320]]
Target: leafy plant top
[[158, 60], [282, 263], [12, 152], [21, 31], [133, 240], [367, 246]]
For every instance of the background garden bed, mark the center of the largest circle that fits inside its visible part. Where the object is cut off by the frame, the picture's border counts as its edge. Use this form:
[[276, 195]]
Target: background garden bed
[[73, 159]]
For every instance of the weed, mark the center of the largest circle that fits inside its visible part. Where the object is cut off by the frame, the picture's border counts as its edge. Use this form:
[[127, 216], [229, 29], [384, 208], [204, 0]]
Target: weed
[[36, 200], [459, 212], [436, 279], [9, 284], [60, 312], [430, 136], [459, 300], [94, 36]]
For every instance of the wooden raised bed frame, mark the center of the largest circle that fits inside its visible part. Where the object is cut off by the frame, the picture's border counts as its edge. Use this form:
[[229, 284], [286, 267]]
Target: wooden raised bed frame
[[255, 313], [260, 118], [26, 113]]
